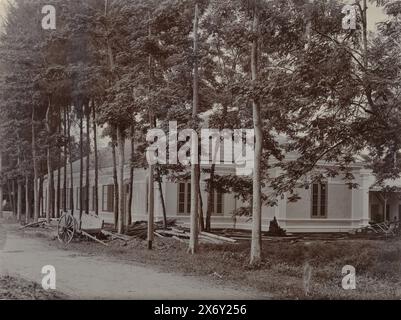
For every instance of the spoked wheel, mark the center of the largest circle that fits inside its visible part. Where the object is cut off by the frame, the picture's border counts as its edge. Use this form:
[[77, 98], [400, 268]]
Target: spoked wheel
[[66, 228]]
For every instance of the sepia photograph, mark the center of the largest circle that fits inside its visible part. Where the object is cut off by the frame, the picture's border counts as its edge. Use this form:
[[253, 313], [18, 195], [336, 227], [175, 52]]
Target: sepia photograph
[[221, 152]]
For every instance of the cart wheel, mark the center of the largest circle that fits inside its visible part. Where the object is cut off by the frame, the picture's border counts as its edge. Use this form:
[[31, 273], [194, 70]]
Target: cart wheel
[[66, 228]]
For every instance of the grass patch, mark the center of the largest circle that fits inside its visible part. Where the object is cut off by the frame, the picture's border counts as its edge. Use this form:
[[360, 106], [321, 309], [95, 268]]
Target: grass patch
[[12, 288], [281, 273]]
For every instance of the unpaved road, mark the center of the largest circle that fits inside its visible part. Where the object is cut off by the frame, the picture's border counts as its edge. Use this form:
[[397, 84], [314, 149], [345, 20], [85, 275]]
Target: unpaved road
[[82, 276]]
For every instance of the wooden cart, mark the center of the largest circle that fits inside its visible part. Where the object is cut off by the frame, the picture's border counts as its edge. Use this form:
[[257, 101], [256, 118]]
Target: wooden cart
[[68, 227]]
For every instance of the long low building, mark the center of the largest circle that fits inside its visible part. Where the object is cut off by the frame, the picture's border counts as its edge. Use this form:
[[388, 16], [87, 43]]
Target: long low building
[[331, 206]]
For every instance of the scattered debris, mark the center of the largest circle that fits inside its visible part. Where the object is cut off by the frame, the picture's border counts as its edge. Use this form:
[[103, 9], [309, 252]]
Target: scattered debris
[[380, 229], [215, 236], [93, 238], [215, 274], [179, 239], [115, 235], [139, 229], [158, 235], [33, 225]]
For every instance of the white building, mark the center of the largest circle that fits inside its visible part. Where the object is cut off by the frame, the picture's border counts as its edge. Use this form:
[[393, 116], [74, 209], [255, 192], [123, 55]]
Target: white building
[[328, 207]]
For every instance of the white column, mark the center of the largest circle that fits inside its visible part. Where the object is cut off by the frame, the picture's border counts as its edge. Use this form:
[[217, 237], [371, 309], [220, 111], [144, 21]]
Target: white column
[[158, 202], [280, 211], [360, 198]]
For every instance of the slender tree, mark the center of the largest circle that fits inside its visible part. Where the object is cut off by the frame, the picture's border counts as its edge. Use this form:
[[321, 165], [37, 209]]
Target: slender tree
[[88, 151], [193, 241], [131, 176], [256, 252], [95, 155]]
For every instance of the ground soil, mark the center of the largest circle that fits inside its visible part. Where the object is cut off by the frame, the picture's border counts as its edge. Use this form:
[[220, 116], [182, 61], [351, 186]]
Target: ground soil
[[291, 269], [83, 274]]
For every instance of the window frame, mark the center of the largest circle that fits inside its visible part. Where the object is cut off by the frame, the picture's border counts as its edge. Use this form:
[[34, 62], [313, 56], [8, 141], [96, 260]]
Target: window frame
[[187, 198], [105, 201], [319, 200], [215, 203]]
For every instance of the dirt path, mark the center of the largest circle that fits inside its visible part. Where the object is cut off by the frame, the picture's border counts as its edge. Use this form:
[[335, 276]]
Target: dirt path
[[82, 276]]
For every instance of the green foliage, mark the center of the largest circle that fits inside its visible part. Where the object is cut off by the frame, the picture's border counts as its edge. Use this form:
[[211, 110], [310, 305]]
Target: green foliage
[[320, 102]]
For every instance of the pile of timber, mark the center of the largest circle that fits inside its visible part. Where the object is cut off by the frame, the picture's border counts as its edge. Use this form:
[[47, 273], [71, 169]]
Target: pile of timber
[[183, 235], [139, 229], [382, 229]]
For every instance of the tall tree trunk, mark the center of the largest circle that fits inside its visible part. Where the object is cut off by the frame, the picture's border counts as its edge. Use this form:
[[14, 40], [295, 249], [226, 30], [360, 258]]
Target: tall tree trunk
[[49, 168], [96, 187], [65, 160], [53, 197], [200, 205], [151, 204], [19, 188], [210, 198], [256, 245], [71, 200], [201, 218], [385, 210], [115, 180], [365, 34], [131, 176], [14, 198], [10, 196], [41, 202], [19, 201], [151, 178], [1, 186], [58, 188], [121, 186], [88, 150], [81, 163], [36, 201], [193, 241], [111, 66], [27, 202], [159, 183]]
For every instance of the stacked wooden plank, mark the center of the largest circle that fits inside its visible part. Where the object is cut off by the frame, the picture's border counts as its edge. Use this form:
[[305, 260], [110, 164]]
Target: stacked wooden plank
[[204, 237], [381, 229], [139, 229]]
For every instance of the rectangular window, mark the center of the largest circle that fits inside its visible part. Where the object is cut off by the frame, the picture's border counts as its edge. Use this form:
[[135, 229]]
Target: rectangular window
[[218, 205], [78, 197], [222, 150], [82, 194], [68, 199], [181, 198], [108, 198], [399, 212], [93, 199], [188, 198], [319, 200], [184, 198], [375, 215]]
